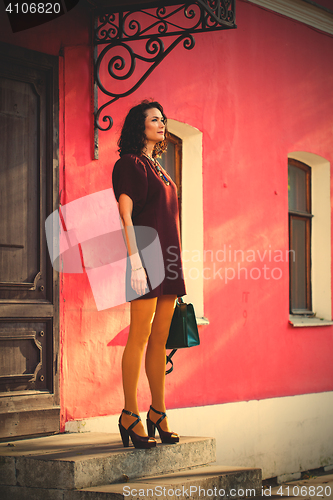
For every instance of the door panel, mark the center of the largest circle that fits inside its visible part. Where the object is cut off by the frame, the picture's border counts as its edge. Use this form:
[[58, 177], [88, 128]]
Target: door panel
[[19, 185], [25, 348], [28, 284]]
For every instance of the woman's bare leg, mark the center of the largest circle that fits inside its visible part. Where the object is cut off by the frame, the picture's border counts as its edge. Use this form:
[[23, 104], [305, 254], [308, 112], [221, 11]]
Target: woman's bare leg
[[142, 314], [155, 355]]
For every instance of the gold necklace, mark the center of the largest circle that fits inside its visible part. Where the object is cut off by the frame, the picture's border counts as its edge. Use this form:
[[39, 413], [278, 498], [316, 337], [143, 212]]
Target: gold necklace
[[158, 169]]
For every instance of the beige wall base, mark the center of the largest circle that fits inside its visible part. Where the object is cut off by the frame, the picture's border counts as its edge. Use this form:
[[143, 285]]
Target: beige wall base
[[279, 435]]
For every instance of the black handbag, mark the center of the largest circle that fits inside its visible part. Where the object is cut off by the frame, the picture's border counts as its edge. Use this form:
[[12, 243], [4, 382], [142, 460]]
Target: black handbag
[[183, 330]]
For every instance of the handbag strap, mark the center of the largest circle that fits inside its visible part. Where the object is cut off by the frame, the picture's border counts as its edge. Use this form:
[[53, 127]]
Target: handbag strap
[[183, 310], [169, 360]]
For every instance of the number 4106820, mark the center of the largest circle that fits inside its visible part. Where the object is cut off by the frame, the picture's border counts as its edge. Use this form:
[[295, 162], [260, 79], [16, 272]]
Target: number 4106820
[[305, 490], [34, 8]]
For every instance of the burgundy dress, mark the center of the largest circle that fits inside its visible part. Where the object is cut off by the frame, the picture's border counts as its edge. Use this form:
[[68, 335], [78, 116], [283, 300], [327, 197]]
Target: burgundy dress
[[155, 205]]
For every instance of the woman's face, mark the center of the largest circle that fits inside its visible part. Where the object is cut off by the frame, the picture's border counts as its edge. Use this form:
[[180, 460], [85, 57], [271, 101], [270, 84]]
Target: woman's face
[[154, 126]]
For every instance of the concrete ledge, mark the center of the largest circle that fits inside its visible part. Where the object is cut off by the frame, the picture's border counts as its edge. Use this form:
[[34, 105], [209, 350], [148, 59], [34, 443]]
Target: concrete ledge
[[76, 461], [299, 321], [205, 482], [211, 482]]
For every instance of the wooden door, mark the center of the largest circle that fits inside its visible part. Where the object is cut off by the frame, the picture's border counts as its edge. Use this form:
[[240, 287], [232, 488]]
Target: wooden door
[[29, 396]]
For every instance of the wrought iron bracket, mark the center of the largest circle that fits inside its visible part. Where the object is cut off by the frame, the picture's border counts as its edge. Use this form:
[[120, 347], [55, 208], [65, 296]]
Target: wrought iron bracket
[[131, 37]]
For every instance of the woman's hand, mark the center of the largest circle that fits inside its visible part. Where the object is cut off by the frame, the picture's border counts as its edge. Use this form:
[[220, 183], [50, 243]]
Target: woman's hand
[[139, 280]]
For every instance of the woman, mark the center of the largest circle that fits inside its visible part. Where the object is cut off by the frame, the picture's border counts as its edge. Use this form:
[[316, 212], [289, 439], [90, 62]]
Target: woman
[[147, 197]]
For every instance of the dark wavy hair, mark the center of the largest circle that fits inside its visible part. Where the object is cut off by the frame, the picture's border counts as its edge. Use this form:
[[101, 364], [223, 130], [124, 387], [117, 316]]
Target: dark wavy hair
[[132, 137]]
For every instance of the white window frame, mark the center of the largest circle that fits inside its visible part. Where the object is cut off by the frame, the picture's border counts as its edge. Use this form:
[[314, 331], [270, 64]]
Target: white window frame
[[192, 213], [321, 260]]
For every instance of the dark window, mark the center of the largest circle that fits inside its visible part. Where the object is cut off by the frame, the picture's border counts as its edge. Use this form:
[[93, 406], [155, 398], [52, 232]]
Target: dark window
[[171, 161], [299, 189]]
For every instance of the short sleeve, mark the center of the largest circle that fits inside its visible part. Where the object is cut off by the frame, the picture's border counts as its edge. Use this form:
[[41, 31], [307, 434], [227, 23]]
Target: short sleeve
[[129, 177]]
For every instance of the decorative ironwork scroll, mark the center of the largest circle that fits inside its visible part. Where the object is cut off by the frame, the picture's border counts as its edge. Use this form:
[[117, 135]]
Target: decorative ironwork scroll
[[158, 30]]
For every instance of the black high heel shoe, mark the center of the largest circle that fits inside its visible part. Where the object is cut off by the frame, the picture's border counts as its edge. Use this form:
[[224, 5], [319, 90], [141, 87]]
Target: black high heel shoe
[[141, 442], [166, 437]]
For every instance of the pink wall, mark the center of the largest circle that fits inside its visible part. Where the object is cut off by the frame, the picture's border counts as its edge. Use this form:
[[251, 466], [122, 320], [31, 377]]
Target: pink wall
[[257, 93]]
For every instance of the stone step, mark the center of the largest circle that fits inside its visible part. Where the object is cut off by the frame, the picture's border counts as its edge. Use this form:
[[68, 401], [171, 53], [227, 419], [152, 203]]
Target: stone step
[[211, 482], [206, 482], [83, 460]]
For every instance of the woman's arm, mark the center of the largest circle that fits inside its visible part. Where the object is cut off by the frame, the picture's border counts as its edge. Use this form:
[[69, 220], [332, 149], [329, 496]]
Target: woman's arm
[[138, 274]]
